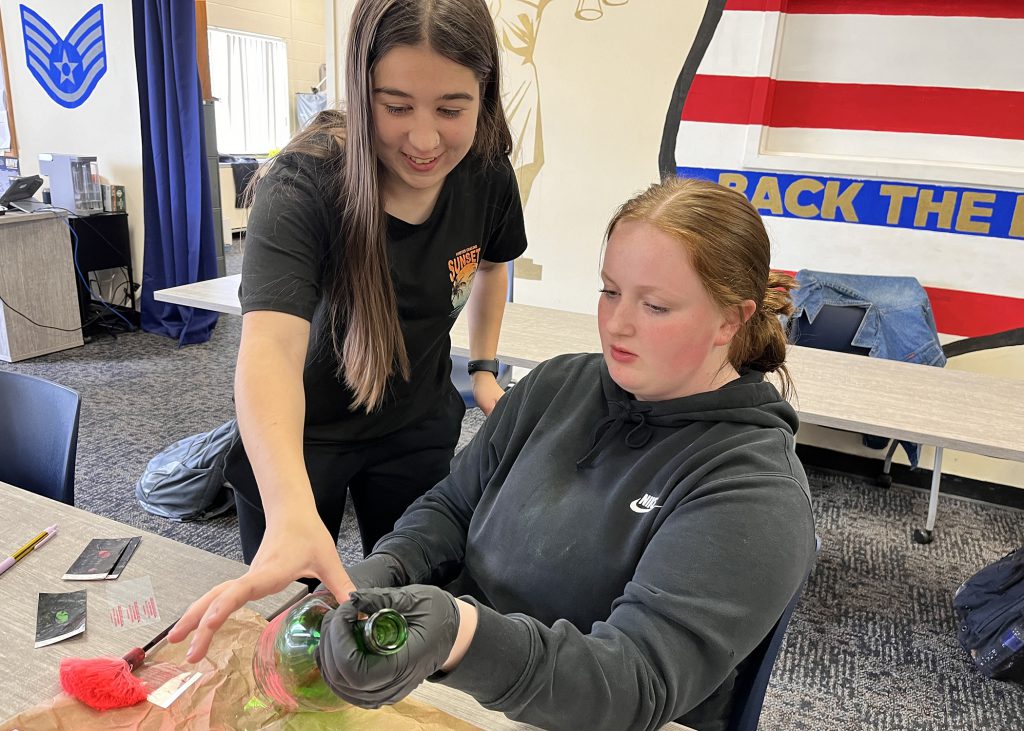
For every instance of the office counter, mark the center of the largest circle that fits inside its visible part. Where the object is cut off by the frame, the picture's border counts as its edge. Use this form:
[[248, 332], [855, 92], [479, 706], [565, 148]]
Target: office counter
[[37, 278]]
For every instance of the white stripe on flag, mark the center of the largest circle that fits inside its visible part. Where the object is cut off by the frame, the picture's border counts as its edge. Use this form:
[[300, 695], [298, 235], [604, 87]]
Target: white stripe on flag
[[937, 259], [712, 145], [898, 146], [962, 53], [855, 153], [737, 47]]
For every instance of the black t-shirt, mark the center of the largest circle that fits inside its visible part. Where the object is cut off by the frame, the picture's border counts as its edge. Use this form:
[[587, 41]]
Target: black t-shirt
[[478, 215]]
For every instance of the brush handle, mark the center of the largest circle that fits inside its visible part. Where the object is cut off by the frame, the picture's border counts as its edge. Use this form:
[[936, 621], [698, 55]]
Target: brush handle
[[136, 655], [134, 658]]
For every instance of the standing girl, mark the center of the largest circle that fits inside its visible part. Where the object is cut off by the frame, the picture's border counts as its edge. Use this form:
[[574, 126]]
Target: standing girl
[[365, 237]]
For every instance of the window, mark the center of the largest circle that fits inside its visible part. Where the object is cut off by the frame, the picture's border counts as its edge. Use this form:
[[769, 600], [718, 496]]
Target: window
[[249, 79]]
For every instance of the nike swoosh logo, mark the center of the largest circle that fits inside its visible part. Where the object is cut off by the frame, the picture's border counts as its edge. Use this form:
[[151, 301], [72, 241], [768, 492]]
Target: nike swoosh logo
[[636, 508]]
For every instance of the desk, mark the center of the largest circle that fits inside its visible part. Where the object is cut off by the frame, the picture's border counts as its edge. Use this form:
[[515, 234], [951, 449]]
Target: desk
[[180, 574], [971, 412], [945, 408], [219, 295], [465, 707], [37, 278]]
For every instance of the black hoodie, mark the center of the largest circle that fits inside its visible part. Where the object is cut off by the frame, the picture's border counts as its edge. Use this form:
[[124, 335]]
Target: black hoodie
[[625, 556]]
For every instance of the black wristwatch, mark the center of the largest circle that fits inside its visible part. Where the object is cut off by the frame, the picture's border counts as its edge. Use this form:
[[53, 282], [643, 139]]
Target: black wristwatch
[[491, 366]]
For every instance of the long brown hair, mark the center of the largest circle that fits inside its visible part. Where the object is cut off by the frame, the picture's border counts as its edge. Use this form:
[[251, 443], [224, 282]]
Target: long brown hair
[[730, 252], [362, 311]]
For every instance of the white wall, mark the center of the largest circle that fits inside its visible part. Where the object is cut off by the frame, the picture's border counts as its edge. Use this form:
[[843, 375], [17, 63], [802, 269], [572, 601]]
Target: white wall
[[106, 125], [336, 19]]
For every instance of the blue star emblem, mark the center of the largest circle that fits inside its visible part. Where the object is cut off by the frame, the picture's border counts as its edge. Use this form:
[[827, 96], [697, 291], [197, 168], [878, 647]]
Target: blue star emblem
[[66, 68], [69, 67]]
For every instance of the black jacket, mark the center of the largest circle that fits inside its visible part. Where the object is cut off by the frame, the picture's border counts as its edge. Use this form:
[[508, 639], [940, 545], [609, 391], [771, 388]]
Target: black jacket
[[625, 555]]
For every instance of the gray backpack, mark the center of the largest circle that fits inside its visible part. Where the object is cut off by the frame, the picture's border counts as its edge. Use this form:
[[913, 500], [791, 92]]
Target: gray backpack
[[186, 481]]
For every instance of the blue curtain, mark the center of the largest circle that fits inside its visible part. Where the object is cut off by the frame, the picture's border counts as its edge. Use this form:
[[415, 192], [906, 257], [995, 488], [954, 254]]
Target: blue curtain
[[180, 245]]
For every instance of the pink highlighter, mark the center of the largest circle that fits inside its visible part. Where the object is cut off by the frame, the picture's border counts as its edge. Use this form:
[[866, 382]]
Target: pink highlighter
[[28, 548]]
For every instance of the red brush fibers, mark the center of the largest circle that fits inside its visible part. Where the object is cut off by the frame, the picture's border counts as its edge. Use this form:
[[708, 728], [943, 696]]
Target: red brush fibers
[[105, 682], [101, 683]]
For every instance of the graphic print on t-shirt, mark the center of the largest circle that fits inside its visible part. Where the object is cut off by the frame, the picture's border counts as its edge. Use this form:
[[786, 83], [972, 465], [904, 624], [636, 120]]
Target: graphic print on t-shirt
[[461, 270]]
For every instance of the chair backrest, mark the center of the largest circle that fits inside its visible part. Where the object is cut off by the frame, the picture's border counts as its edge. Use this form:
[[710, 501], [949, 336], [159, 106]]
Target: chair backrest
[[38, 435], [832, 329], [462, 380], [748, 695]]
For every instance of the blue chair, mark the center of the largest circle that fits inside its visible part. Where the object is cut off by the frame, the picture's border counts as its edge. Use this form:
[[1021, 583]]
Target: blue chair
[[461, 378], [38, 435], [833, 329], [751, 685]]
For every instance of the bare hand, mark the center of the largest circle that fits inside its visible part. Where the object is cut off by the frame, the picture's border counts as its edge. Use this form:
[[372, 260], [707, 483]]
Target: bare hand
[[486, 391], [292, 548]]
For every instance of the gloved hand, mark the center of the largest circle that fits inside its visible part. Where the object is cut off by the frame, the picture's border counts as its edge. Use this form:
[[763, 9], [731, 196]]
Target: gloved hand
[[371, 681], [376, 570]]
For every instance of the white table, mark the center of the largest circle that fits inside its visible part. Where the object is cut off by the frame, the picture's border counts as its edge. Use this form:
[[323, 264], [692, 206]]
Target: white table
[[945, 408], [465, 707], [971, 412], [218, 295], [179, 573]]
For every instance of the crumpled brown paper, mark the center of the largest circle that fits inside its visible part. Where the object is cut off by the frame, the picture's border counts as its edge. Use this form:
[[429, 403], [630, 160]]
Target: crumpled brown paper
[[225, 699]]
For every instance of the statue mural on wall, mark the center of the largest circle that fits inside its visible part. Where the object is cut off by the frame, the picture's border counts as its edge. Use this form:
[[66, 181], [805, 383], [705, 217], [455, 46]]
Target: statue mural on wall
[[518, 25], [585, 98]]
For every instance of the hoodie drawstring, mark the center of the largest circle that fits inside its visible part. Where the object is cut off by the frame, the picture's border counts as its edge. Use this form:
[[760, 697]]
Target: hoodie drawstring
[[606, 429]]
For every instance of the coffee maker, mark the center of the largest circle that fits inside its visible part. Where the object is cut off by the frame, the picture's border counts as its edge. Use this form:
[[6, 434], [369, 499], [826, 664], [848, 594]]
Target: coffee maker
[[74, 182]]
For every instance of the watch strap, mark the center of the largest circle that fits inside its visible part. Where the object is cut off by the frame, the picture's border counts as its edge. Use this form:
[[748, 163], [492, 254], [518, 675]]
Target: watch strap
[[491, 366]]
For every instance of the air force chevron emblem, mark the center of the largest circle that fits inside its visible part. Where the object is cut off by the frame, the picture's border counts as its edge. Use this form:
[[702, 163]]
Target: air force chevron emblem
[[67, 68]]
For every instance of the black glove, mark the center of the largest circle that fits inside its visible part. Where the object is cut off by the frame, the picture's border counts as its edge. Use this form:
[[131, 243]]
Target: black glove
[[371, 681], [376, 570]]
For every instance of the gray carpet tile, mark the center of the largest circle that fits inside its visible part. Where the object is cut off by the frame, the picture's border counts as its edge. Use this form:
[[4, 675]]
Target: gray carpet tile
[[871, 645]]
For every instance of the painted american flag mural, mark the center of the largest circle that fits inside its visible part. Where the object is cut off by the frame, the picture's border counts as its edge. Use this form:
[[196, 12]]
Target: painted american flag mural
[[877, 137]]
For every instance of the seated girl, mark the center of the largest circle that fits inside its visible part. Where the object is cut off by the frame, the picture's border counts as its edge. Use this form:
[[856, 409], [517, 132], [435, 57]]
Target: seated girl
[[627, 526]]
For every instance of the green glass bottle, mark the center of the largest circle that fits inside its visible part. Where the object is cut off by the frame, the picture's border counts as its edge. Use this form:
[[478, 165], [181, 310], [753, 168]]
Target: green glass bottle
[[383, 633], [284, 665]]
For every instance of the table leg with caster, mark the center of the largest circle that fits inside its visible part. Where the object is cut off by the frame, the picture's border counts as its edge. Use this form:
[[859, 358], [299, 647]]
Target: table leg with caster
[[924, 535]]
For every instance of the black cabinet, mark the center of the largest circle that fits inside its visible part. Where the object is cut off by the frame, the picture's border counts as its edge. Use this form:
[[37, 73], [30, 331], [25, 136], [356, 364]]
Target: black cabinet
[[100, 242]]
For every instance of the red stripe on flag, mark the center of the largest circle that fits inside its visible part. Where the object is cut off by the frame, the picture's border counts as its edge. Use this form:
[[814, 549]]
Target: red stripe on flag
[[877, 107], [969, 314], [890, 108], [937, 8], [762, 5], [726, 99]]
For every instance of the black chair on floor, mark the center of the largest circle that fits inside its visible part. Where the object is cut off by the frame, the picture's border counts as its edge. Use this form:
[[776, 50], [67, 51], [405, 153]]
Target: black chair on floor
[[38, 435], [752, 684], [833, 329]]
